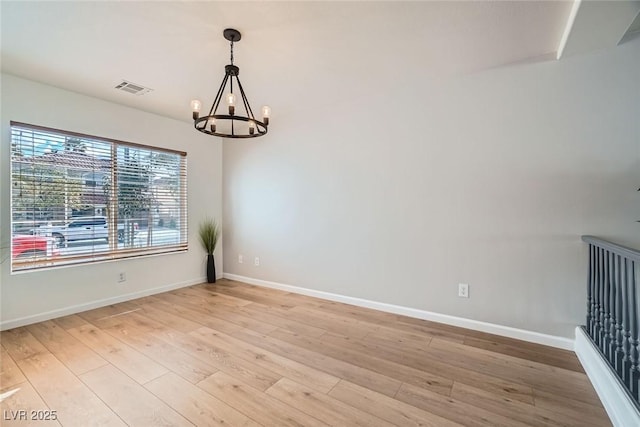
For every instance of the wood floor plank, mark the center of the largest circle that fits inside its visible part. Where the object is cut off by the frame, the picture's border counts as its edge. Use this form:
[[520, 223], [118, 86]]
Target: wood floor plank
[[387, 408], [279, 319], [453, 409], [283, 366], [107, 311], [130, 322], [379, 324], [353, 311], [133, 363], [210, 296], [75, 355], [62, 391], [519, 411], [223, 313], [561, 381], [245, 293], [416, 343], [390, 322], [530, 346], [248, 293], [323, 407], [400, 346], [424, 379], [196, 405], [194, 314], [329, 322], [184, 364], [132, 402], [430, 330], [10, 374], [422, 359], [25, 408], [454, 333], [71, 321], [407, 355], [171, 320], [550, 356], [241, 319], [500, 360], [261, 407], [206, 350], [562, 404], [146, 300], [20, 344], [293, 298], [364, 377]]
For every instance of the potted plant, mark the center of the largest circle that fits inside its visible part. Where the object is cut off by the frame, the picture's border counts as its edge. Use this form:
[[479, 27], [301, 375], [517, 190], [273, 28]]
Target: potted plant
[[209, 233]]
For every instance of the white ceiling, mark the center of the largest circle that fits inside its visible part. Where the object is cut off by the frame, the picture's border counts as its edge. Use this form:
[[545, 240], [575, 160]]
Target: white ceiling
[[289, 50]]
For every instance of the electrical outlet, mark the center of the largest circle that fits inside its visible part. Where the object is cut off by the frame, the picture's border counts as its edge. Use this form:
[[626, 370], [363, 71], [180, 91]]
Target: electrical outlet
[[256, 261], [122, 277], [240, 259], [463, 290]]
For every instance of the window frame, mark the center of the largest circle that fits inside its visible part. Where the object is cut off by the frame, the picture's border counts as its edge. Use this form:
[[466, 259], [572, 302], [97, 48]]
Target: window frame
[[53, 259]]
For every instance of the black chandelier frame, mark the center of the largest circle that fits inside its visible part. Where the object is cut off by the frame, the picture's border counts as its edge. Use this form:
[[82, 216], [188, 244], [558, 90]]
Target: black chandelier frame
[[208, 124]]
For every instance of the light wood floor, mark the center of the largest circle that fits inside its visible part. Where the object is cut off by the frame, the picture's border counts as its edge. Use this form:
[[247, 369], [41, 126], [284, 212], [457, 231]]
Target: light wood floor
[[238, 355]]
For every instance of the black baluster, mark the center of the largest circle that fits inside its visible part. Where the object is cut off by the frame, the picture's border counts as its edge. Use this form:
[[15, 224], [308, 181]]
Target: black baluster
[[590, 288], [606, 322], [602, 326], [611, 331], [616, 313], [633, 338], [626, 324], [619, 337], [596, 297]]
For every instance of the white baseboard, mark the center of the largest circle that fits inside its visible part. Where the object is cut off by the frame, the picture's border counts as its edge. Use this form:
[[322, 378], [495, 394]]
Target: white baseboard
[[616, 401], [491, 328], [41, 317]]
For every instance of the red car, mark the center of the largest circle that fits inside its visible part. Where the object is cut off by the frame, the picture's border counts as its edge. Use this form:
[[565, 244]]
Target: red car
[[26, 246]]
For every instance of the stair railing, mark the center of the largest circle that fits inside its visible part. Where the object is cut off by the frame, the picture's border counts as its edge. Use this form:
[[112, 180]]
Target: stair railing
[[613, 307]]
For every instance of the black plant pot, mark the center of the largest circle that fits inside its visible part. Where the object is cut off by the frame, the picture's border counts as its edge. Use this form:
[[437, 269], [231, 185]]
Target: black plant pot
[[211, 269]]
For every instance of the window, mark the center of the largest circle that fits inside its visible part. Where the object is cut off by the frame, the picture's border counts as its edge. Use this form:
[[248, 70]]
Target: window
[[79, 199]]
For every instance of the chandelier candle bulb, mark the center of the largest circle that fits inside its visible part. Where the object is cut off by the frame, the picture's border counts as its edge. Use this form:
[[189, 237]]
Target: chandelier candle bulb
[[231, 100], [195, 106], [266, 112], [212, 125], [252, 127]]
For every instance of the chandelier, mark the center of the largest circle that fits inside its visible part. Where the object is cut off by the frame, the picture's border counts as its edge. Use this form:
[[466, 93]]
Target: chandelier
[[231, 125]]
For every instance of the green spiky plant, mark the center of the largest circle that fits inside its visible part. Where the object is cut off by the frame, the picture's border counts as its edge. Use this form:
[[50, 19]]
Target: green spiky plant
[[209, 232]]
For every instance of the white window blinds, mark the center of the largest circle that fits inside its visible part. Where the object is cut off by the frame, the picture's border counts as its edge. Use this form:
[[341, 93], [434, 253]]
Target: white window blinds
[[78, 198]]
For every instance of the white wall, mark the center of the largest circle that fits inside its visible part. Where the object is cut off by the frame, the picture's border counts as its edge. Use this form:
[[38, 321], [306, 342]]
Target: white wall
[[27, 297], [394, 187]]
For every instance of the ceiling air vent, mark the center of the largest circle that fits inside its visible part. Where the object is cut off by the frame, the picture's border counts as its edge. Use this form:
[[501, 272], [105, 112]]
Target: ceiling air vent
[[133, 88]]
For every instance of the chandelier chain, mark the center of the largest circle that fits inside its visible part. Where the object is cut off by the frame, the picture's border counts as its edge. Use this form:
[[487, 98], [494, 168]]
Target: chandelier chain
[[231, 52]]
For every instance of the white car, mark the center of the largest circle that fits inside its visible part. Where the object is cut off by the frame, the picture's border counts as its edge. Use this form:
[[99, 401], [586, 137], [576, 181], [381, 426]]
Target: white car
[[83, 228], [163, 236], [80, 228]]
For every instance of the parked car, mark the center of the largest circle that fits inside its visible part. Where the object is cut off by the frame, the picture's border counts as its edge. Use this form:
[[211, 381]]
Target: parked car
[[26, 246], [82, 228], [162, 236]]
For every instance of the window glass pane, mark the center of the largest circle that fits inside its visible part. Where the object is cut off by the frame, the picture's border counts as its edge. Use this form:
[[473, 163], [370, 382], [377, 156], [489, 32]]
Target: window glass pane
[[83, 199]]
